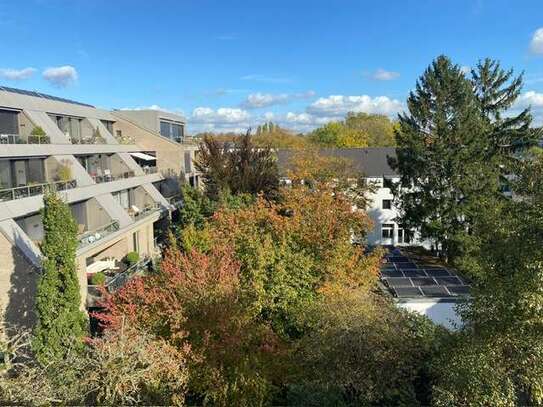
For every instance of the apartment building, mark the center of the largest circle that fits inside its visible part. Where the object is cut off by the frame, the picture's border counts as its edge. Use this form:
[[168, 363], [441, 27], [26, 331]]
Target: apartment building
[[170, 126], [110, 171], [374, 164]]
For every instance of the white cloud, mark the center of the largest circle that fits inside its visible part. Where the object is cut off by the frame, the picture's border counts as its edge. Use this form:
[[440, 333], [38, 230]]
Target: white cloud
[[220, 117], [259, 100], [17, 74], [383, 75], [536, 45], [266, 78], [61, 76], [535, 101], [340, 105]]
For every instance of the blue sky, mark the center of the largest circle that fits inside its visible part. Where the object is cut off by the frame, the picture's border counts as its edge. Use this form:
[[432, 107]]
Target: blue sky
[[232, 64]]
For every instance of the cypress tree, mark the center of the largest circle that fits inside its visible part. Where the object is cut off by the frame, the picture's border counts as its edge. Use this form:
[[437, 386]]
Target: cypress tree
[[61, 324]]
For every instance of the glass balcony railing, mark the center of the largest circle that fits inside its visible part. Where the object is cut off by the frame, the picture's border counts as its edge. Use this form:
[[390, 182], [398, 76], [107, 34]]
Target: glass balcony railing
[[176, 200], [99, 179], [35, 189], [18, 139], [93, 236]]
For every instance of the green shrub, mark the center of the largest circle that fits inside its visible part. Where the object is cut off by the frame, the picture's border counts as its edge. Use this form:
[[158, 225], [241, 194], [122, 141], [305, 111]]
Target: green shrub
[[132, 258], [37, 131], [98, 278]]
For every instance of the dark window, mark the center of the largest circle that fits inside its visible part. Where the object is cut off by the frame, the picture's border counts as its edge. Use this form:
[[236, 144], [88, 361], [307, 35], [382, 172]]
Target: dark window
[[165, 129], [108, 125], [188, 162], [387, 183], [387, 203], [387, 230], [9, 123]]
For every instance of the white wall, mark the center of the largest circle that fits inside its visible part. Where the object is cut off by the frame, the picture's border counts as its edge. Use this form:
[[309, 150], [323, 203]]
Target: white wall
[[379, 216], [439, 312]]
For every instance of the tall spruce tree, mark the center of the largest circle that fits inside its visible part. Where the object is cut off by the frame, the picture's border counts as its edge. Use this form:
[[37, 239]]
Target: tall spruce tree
[[443, 156], [497, 90], [61, 324]]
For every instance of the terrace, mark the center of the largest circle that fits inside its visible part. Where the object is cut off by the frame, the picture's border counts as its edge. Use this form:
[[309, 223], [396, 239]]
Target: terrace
[[26, 177], [114, 274], [105, 167]]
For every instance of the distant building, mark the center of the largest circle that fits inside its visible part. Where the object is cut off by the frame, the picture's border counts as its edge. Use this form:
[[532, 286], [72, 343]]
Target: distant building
[[374, 165], [120, 179]]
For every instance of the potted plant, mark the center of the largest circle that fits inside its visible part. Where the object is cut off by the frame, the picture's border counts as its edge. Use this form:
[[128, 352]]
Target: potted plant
[[38, 136], [65, 171], [98, 278], [132, 258]]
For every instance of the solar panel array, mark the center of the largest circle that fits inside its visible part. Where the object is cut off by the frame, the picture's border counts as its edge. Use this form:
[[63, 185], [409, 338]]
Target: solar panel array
[[42, 95], [407, 278]]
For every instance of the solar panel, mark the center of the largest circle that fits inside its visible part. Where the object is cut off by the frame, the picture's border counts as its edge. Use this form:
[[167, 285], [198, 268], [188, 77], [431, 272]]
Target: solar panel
[[407, 292], [436, 291], [448, 281], [414, 273], [42, 95], [399, 259], [406, 265], [423, 281], [391, 273], [437, 272], [399, 282], [459, 289]]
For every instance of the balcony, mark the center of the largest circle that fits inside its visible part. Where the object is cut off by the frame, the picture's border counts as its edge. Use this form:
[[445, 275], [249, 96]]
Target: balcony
[[116, 274], [19, 139], [137, 214], [95, 235], [11, 194], [107, 177], [150, 170]]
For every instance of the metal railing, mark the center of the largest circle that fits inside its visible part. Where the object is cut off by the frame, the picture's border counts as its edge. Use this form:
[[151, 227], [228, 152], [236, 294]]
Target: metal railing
[[94, 292], [95, 235], [11, 194], [175, 200], [99, 179], [147, 210], [122, 278], [150, 170], [18, 139]]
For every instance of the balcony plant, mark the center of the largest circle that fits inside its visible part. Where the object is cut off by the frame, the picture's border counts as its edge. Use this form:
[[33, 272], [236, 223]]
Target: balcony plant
[[64, 171], [98, 278], [132, 258], [38, 136]]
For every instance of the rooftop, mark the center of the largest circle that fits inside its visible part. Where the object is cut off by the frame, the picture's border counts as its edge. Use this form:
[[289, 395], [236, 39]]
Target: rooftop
[[41, 95], [371, 161], [407, 276]]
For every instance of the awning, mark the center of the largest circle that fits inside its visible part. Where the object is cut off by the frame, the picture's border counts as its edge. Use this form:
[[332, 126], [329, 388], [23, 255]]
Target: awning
[[143, 156]]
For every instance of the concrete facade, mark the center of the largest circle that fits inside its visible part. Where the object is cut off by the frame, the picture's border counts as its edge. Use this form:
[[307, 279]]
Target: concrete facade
[[109, 225]]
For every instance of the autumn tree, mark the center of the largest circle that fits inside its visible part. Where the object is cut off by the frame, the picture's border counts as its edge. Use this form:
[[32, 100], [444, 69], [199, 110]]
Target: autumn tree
[[60, 319], [240, 168], [337, 134], [378, 128]]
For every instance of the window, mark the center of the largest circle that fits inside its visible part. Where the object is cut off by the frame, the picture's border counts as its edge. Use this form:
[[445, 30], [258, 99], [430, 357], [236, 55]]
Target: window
[[9, 123], [387, 230], [387, 182], [173, 131], [387, 204], [136, 241], [108, 125], [119, 134], [188, 162], [404, 235]]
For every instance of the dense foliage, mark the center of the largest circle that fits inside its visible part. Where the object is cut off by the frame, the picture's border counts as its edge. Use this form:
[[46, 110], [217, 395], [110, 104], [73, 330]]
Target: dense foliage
[[60, 319], [454, 125], [240, 168], [497, 358]]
